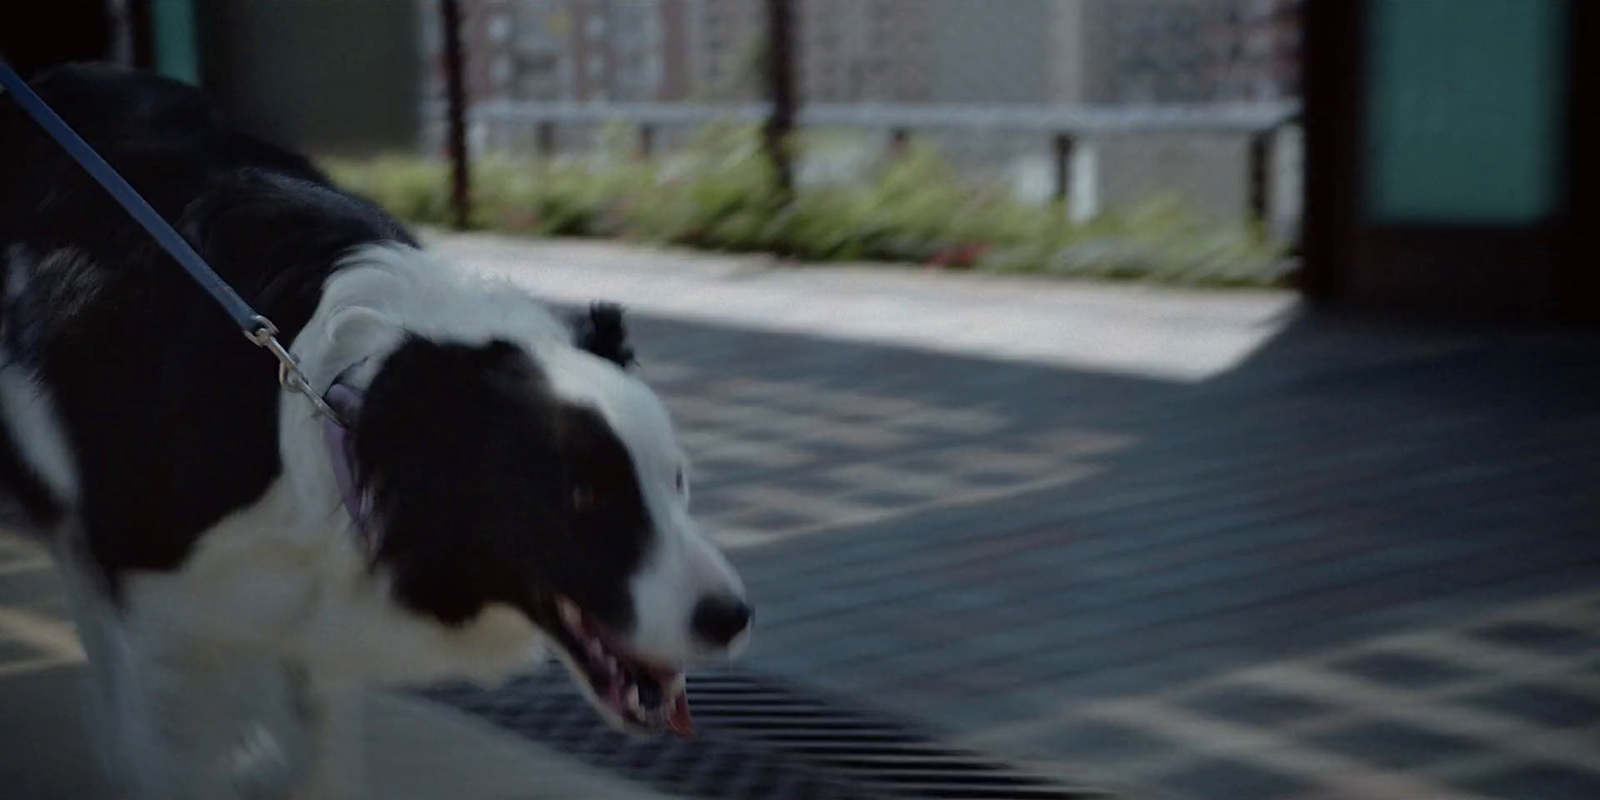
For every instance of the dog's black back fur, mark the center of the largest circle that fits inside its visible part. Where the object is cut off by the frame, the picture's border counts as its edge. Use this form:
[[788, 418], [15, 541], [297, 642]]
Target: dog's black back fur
[[172, 416], [173, 413]]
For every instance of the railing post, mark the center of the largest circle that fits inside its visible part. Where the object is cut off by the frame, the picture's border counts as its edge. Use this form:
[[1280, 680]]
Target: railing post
[[647, 140], [1064, 145], [1261, 175], [545, 139], [781, 91], [456, 94], [899, 142]]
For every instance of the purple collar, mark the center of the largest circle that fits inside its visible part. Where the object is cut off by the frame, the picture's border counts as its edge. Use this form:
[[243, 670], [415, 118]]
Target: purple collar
[[346, 402]]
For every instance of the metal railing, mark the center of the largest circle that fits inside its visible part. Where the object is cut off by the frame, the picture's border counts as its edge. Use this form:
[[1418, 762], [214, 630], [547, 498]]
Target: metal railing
[[1221, 118], [1065, 127]]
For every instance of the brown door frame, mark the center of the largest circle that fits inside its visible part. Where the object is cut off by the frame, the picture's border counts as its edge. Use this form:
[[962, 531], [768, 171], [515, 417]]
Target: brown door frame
[[1333, 73], [35, 36], [1539, 271], [141, 34], [1578, 281]]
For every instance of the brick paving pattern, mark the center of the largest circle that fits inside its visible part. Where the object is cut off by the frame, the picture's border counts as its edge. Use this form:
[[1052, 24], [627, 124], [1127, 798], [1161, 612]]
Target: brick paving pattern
[[1351, 568]]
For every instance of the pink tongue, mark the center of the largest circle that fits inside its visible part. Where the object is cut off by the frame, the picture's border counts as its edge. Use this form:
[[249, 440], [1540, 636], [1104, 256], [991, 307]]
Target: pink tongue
[[679, 721]]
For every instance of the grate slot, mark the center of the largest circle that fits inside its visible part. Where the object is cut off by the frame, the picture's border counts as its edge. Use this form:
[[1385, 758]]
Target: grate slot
[[902, 754], [754, 717], [904, 767], [944, 792], [821, 737], [760, 740]]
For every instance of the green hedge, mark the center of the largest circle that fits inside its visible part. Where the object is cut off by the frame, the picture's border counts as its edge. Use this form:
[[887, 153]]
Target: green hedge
[[717, 194]]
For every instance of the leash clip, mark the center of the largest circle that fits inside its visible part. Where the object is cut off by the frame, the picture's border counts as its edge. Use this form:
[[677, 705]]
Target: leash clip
[[264, 334]]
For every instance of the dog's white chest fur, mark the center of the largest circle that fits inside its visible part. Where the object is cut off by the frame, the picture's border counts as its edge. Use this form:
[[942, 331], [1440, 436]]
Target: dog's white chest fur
[[262, 582]]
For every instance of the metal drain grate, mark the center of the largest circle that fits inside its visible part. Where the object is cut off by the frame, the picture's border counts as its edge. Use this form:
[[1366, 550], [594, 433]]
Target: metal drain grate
[[759, 740]]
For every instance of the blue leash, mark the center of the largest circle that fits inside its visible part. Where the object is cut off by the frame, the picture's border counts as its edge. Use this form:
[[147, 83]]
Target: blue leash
[[258, 329]]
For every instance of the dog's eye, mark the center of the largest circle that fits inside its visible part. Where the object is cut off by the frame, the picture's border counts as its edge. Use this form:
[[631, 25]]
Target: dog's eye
[[682, 482], [583, 498]]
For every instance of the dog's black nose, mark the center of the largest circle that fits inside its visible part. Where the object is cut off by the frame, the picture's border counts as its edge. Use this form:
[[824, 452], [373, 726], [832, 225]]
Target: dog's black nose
[[718, 620]]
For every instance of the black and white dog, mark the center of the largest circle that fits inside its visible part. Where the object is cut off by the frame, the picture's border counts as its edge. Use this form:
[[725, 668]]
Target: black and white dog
[[514, 489]]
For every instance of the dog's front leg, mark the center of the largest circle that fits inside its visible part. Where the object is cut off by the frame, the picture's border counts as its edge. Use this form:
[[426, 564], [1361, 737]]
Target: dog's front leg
[[177, 724], [330, 721], [104, 646]]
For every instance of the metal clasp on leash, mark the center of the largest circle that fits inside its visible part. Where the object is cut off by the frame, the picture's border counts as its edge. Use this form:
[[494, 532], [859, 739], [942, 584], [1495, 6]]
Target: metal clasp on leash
[[265, 335], [258, 329]]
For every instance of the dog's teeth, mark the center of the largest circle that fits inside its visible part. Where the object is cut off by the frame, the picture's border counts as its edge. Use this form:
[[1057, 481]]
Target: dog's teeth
[[612, 667], [569, 613], [596, 649], [633, 700]]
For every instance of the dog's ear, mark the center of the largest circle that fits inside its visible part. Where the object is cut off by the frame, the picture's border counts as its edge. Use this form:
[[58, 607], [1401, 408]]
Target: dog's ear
[[601, 332]]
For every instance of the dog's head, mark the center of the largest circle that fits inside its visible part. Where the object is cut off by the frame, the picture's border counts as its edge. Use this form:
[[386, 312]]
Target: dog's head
[[540, 474]]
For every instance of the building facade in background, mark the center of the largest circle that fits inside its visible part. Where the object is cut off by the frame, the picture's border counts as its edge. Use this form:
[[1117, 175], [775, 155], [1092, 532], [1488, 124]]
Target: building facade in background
[[567, 50], [1198, 51], [854, 51], [891, 51], [725, 49], [1115, 52]]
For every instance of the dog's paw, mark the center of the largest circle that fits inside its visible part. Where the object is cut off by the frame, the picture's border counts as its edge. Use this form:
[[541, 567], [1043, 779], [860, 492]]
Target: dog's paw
[[259, 767]]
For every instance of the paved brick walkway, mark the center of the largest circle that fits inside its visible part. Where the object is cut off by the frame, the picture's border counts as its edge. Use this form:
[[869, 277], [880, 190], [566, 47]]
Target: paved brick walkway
[[1359, 565]]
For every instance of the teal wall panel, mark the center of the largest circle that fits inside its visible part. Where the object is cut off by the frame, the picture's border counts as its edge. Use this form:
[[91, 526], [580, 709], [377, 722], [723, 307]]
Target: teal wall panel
[[1465, 111]]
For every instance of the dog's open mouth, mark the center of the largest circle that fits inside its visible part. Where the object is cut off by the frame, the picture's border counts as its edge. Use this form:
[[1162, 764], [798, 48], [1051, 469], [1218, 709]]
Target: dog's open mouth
[[640, 694]]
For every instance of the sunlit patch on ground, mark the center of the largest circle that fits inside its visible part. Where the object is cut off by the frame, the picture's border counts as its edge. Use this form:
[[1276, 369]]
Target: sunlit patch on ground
[[849, 458]]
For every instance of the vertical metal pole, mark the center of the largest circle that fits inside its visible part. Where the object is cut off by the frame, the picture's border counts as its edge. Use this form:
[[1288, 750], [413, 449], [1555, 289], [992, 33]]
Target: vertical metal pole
[[647, 140], [780, 76], [546, 139], [456, 97], [1261, 175], [899, 142], [1063, 146]]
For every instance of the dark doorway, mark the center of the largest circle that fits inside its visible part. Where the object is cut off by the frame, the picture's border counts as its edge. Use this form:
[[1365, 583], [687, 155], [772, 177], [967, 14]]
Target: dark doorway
[[1456, 262], [38, 35]]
